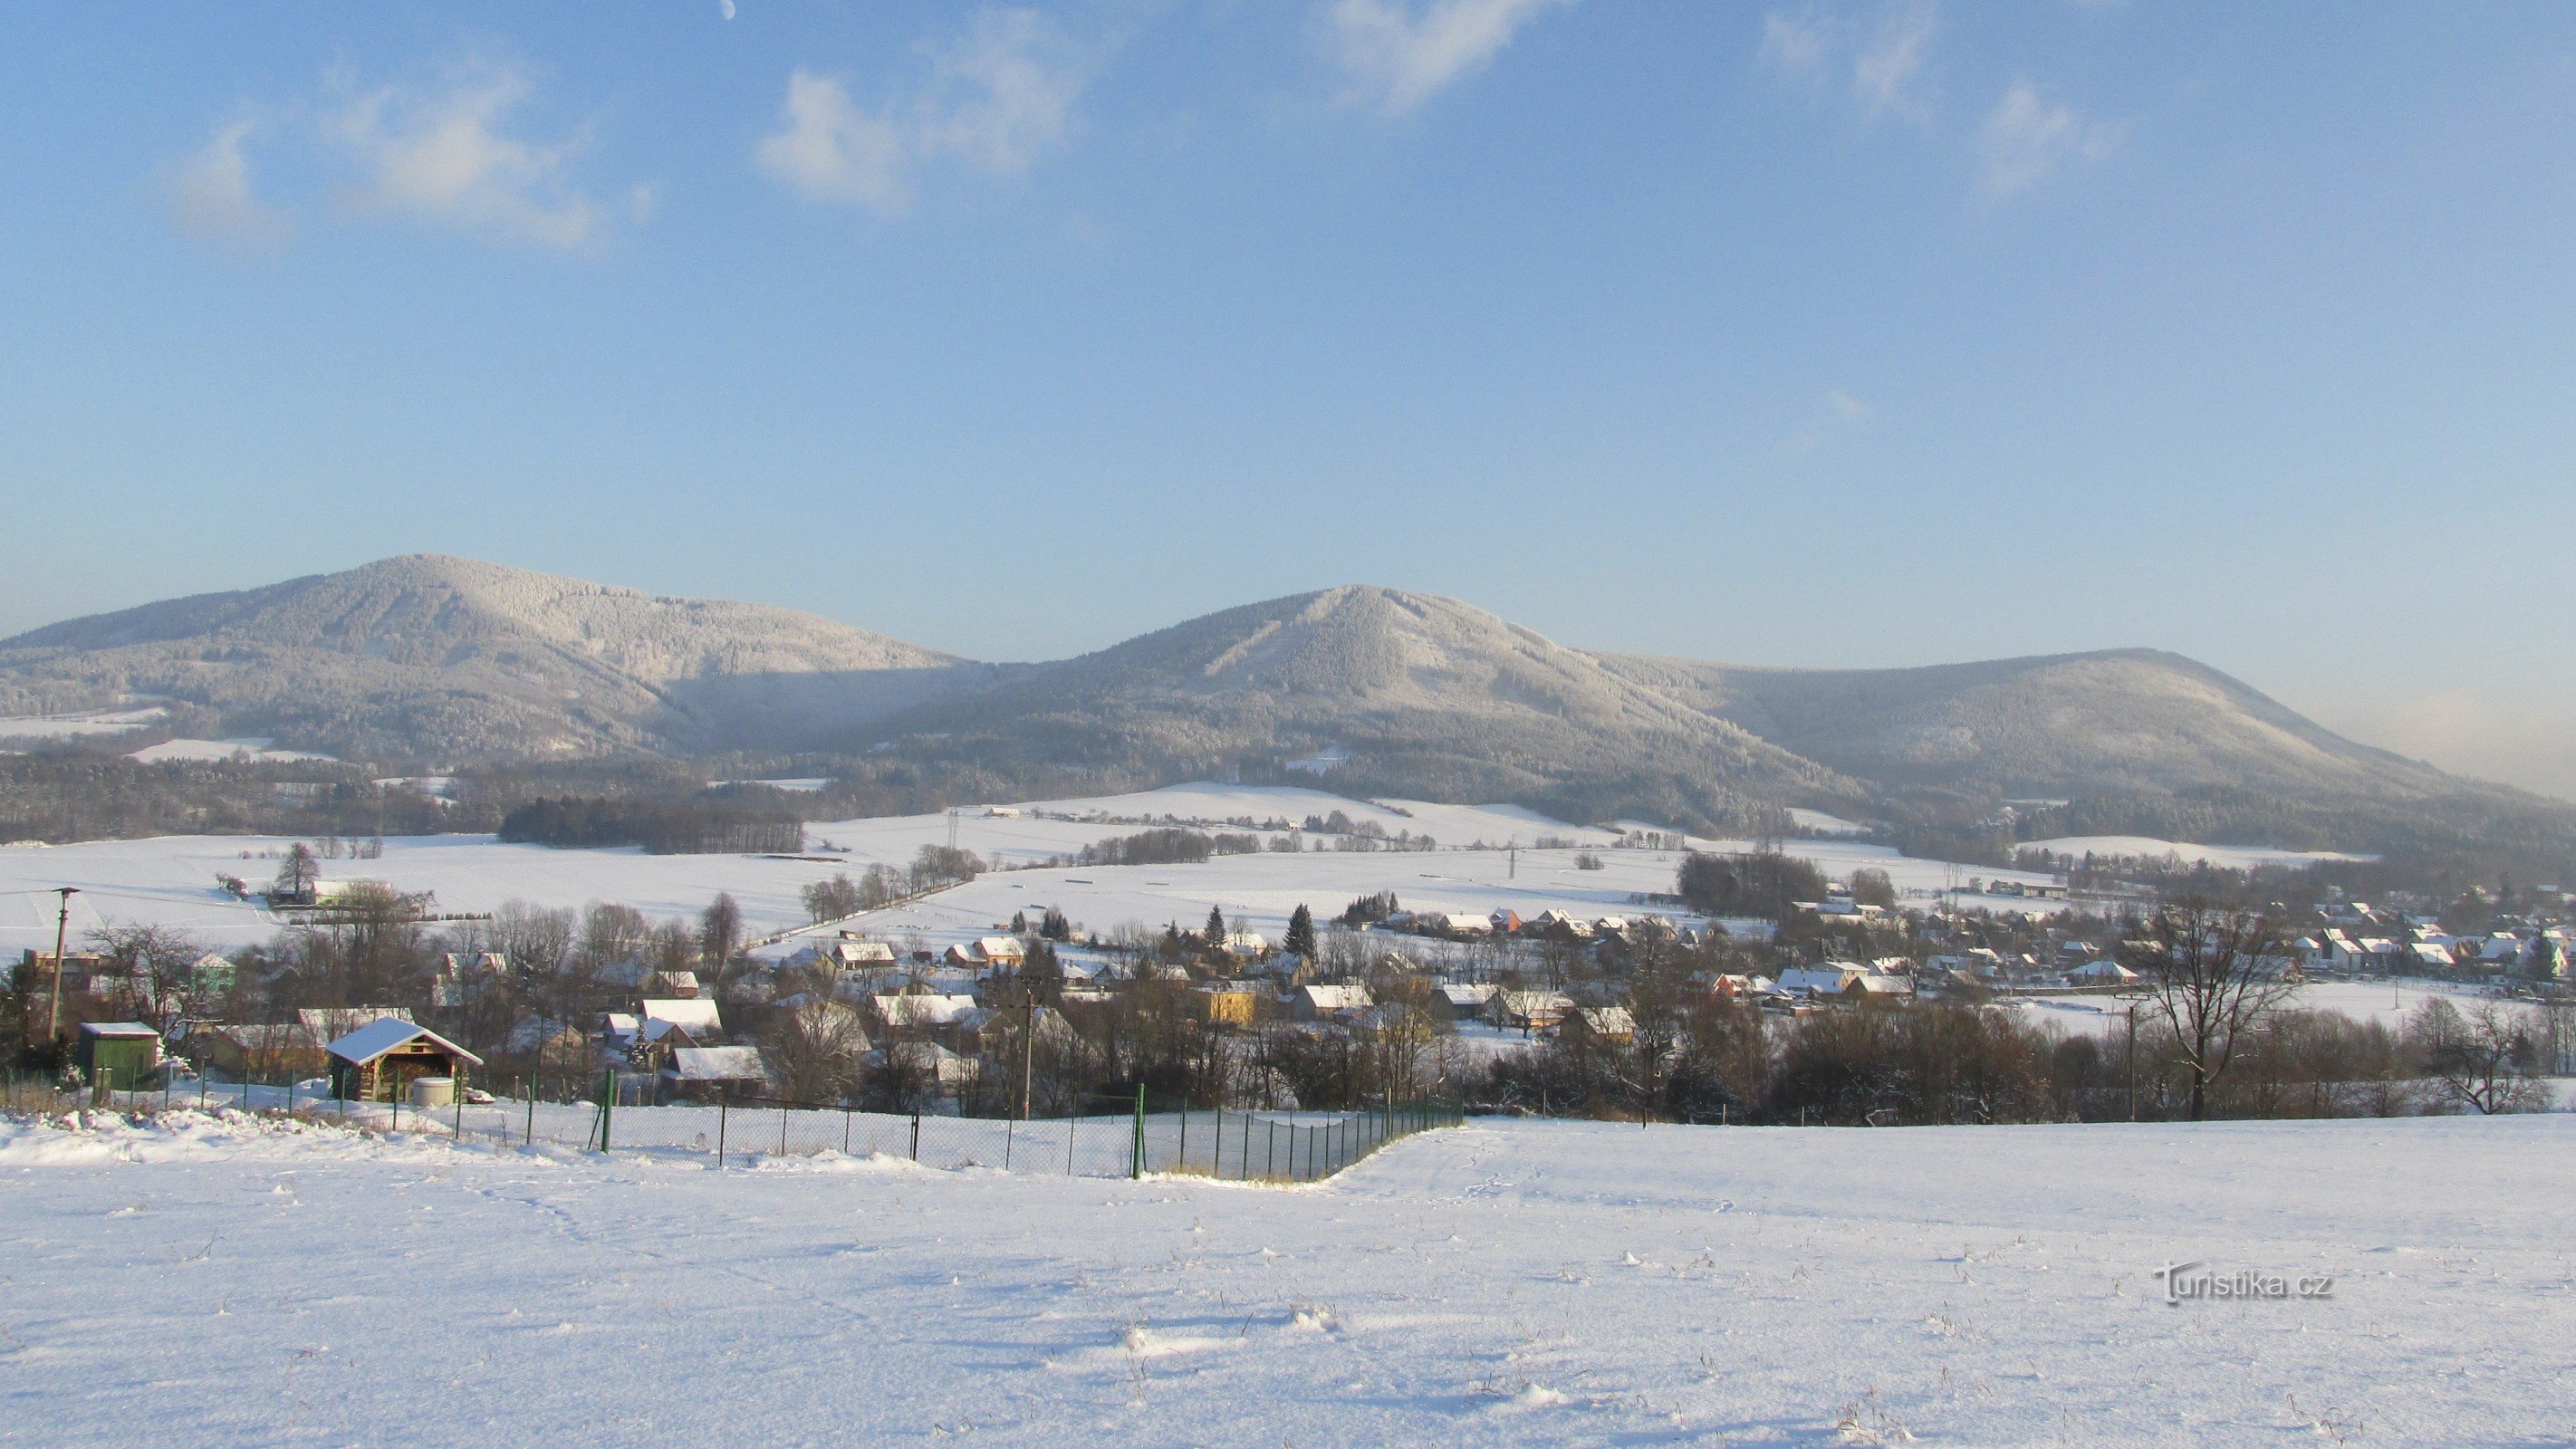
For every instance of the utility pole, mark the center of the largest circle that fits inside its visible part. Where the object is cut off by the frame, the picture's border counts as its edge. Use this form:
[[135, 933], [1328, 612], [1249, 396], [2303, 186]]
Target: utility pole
[[2133, 1061], [62, 927], [1028, 1047]]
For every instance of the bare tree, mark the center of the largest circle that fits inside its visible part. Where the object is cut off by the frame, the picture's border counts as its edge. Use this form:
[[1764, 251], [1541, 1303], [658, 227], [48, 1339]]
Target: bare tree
[[720, 934], [2482, 1057], [298, 873], [818, 1052], [160, 960], [2214, 975]]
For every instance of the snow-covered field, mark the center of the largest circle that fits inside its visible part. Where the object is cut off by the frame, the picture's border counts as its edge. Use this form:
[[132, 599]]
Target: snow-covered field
[[2364, 1001], [2145, 847], [253, 747], [172, 879], [226, 1283], [70, 726]]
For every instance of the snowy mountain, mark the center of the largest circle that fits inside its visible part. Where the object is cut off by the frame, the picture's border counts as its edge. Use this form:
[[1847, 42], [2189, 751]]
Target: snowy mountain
[[1366, 690], [434, 657], [2051, 726], [1411, 693]]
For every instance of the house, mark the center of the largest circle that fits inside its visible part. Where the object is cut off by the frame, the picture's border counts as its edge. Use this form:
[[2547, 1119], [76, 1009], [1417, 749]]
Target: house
[[550, 1046], [2101, 973], [850, 955], [212, 975], [698, 1014], [1226, 1005], [673, 986], [277, 1051], [1002, 953], [1847, 980], [1456, 1002], [928, 1059], [379, 1061], [1246, 945], [1603, 1023], [464, 975], [1555, 925], [1504, 922], [121, 1055], [1318, 1002], [1737, 986], [1453, 925], [712, 1071], [920, 1010], [1527, 1011]]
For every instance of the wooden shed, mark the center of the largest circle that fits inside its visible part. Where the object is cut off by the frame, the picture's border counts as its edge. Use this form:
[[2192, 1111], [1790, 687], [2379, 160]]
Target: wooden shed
[[378, 1061], [117, 1054]]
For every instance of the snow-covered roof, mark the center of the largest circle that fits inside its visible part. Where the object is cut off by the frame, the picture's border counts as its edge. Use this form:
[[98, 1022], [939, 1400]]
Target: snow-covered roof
[[1337, 998], [120, 1030], [387, 1033], [924, 1010], [688, 1011], [717, 1064]]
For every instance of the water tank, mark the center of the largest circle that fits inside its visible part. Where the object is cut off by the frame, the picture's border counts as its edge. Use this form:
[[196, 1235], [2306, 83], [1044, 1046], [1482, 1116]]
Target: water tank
[[433, 1091]]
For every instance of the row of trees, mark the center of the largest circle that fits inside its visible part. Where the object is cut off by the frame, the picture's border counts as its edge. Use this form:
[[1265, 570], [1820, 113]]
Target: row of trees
[[2215, 1033]]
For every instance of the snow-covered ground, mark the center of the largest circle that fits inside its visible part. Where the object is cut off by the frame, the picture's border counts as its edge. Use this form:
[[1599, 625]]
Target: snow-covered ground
[[1524, 1283], [172, 879], [70, 726], [2145, 847], [2384, 1002], [253, 747]]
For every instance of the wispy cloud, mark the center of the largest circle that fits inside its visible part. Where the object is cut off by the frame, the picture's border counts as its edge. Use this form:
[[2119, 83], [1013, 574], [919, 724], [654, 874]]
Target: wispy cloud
[[445, 154], [1799, 42], [1845, 406], [1888, 69], [1398, 56], [2028, 137], [996, 100], [209, 192]]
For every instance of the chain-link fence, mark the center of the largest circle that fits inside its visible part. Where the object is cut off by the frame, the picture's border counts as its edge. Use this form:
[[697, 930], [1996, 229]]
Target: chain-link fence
[[1236, 1146]]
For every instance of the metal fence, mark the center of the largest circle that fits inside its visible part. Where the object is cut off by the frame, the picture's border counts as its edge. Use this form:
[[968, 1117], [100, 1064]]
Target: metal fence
[[1235, 1146]]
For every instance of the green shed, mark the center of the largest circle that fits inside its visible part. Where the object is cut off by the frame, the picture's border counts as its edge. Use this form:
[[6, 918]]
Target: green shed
[[122, 1055]]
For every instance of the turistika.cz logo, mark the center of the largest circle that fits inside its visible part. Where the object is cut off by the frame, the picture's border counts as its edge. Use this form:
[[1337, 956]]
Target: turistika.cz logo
[[2197, 1282]]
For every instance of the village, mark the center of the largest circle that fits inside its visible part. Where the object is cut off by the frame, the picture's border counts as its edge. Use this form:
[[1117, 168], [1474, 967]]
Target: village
[[1642, 1014]]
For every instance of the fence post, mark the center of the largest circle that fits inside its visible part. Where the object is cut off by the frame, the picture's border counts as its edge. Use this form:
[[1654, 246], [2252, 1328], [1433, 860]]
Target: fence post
[[782, 1129], [724, 1112], [1136, 1150], [532, 1119], [607, 1103], [916, 1135], [1185, 1135], [1069, 1124]]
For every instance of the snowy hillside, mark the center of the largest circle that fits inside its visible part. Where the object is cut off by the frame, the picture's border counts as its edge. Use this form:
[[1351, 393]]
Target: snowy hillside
[[1531, 1283], [172, 879], [428, 655]]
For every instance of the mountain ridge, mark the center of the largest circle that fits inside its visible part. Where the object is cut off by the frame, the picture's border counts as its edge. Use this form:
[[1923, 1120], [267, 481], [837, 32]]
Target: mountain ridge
[[437, 658]]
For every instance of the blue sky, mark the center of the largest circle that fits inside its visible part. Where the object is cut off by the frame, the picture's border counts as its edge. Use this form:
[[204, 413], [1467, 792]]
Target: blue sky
[[1869, 334]]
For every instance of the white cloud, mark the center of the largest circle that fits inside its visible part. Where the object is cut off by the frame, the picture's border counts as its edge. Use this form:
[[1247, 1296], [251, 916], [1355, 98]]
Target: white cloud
[[2028, 137], [443, 155], [1885, 71], [1399, 57], [996, 101], [1845, 406], [1887, 57], [1797, 42], [210, 193]]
